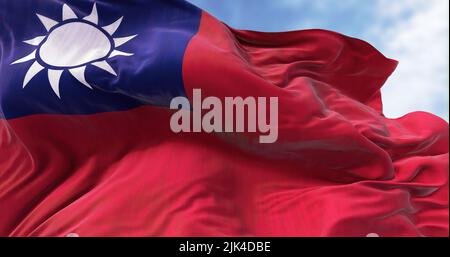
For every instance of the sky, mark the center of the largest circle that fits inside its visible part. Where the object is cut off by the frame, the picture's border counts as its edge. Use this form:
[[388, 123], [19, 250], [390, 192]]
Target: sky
[[414, 32]]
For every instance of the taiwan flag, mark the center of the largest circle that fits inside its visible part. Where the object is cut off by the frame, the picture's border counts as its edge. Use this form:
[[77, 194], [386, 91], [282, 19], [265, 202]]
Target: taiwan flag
[[86, 147]]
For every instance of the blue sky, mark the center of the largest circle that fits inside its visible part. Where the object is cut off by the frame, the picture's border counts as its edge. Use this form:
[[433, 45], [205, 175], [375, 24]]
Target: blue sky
[[414, 32]]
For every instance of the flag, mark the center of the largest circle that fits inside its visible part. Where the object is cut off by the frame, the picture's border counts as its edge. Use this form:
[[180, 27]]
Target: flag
[[86, 146]]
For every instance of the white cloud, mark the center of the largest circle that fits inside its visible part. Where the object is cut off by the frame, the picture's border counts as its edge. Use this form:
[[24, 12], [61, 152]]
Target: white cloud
[[318, 5], [416, 33]]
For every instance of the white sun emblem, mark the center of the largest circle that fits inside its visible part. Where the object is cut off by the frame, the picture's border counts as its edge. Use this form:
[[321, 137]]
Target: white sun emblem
[[72, 45]]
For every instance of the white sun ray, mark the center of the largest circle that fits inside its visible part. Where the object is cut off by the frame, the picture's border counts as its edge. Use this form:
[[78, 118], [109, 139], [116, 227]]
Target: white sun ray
[[68, 13], [47, 22], [119, 53], [105, 66], [78, 73], [93, 17], [56, 55], [53, 78], [27, 58], [122, 40], [32, 71], [113, 27], [34, 41]]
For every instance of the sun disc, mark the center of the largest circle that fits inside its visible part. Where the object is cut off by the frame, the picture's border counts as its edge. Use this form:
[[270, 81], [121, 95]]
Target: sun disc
[[72, 45]]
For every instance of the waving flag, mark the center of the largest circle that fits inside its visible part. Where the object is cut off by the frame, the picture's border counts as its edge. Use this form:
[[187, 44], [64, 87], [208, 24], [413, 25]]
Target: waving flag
[[86, 146]]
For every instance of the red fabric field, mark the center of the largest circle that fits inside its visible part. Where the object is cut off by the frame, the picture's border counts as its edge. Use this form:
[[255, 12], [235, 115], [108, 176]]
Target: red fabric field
[[339, 168]]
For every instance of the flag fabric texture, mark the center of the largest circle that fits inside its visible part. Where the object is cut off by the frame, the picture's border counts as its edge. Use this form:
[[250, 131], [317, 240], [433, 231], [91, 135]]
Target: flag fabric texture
[[86, 145]]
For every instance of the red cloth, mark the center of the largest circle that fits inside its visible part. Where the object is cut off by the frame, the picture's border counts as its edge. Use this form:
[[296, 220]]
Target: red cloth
[[339, 167]]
